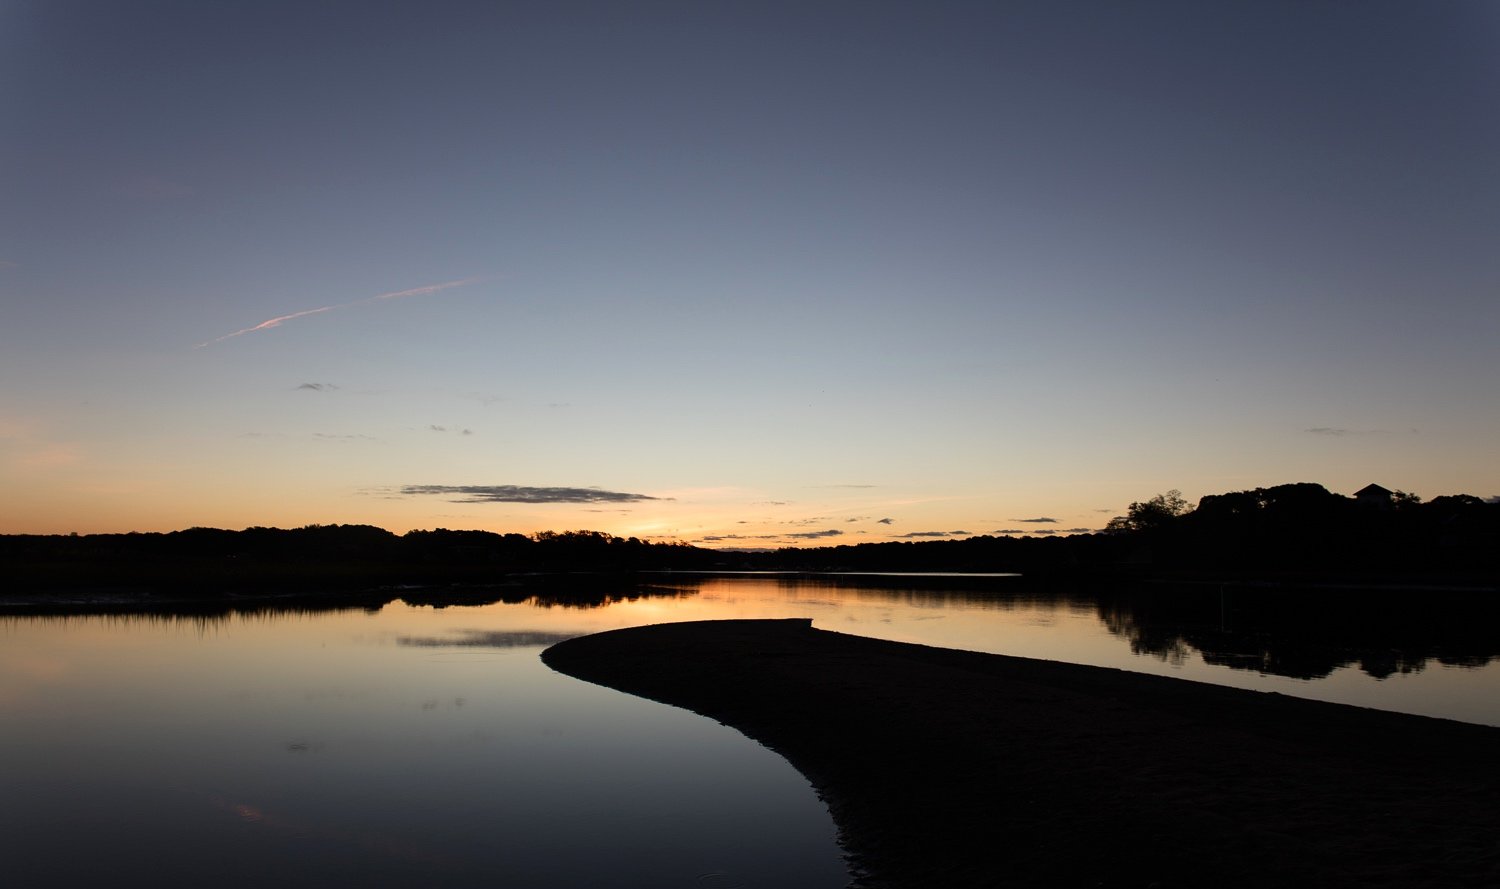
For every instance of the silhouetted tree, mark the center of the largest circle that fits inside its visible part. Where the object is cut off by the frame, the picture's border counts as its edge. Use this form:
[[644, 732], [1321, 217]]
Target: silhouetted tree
[[1150, 515], [1403, 500]]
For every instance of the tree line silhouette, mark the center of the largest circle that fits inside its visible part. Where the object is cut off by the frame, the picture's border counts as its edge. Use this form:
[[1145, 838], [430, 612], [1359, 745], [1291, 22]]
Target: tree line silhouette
[[1305, 529], [209, 561], [1289, 533], [1286, 533]]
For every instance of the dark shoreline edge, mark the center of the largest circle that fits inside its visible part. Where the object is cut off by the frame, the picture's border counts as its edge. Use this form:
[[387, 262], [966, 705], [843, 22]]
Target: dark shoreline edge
[[956, 769]]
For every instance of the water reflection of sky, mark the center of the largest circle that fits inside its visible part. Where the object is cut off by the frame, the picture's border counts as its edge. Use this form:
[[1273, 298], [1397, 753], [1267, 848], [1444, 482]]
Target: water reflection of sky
[[415, 744], [318, 750]]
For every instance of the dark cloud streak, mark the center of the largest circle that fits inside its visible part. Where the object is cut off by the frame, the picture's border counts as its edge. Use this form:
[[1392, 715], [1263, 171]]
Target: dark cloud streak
[[814, 535], [521, 494]]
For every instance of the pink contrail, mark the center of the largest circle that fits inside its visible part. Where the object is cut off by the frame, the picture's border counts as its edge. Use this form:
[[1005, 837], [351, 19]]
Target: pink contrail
[[421, 291], [280, 319], [267, 325]]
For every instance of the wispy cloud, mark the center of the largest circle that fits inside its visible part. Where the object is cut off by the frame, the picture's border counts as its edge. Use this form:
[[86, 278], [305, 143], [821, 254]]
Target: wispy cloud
[[268, 324], [913, 535], [1039, 520], [317, 387], [789, 535], [424, 290], [1340, 431], [739, 538], [521, 494], [886, 522], [282, 319]]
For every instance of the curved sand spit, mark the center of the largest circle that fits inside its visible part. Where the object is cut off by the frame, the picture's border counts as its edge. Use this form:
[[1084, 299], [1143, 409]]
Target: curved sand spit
[[955, 769]]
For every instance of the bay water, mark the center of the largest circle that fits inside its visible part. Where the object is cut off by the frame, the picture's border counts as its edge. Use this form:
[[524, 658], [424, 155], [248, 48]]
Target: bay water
[[405, 743]]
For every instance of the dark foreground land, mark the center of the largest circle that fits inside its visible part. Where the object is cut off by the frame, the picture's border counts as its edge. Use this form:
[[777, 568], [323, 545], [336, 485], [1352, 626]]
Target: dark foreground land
[[955, 769]]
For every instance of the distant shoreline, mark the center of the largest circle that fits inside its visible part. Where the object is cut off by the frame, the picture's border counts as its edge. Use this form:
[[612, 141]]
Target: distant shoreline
[[955, 769], [1293, 534]]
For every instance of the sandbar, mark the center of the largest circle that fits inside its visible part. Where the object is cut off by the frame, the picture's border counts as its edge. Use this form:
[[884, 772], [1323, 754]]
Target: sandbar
[[955, 769]]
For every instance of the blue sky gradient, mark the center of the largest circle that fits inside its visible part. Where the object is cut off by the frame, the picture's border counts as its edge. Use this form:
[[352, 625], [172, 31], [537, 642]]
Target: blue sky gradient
[[773, 268]]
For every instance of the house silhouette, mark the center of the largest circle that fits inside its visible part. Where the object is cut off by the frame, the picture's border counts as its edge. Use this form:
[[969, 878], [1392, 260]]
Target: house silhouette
[[1374, 495]]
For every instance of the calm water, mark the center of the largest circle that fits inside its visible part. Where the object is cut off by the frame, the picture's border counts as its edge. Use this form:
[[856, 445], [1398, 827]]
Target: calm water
[[412, 745]]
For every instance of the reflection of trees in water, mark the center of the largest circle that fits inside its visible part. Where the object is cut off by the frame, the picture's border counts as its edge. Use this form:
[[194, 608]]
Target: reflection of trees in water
[[554, 591], [198, 614], [988, 591], [1307, 634], [564, 591], [1144, 640]]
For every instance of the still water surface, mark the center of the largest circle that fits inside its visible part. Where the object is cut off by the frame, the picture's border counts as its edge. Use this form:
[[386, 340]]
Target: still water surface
[[409, 745]]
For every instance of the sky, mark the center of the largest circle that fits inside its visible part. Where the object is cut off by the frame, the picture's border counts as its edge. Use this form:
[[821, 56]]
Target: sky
[[739, 273]]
